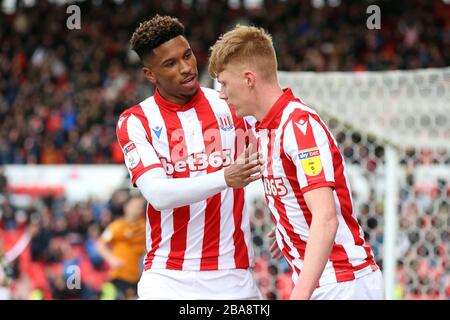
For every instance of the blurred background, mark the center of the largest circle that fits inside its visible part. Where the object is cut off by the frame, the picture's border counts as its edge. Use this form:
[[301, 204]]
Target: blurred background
[[384, 93]]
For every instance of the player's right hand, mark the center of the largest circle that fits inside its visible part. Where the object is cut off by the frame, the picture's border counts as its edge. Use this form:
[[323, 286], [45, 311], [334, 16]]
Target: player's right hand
[[246, 169]]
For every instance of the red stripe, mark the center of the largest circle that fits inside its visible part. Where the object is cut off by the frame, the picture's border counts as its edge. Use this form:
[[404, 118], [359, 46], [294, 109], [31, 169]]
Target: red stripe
[[241, 252], [181, 215], [271, 137], [154, 219], [211, 237], [342, 266]]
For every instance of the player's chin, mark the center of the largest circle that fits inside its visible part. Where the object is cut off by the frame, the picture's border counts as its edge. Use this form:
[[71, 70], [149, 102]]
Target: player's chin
[[190, 87]]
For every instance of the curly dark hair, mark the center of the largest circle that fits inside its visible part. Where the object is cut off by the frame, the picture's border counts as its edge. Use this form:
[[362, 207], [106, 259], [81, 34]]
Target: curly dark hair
[[152, 33]]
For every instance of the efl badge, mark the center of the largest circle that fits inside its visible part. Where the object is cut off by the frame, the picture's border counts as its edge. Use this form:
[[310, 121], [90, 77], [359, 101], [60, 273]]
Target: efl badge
[[225, 121], [311, 164], [131, 155]]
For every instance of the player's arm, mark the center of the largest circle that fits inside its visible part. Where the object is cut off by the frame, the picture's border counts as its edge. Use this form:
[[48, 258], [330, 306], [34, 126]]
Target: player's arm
[[147, 173], [103, 247], [307, 145], [164, 193], [321, 237]]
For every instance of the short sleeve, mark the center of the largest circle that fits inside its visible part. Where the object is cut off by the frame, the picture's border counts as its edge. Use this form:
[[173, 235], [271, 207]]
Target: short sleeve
[[307, 144], [139, 154]]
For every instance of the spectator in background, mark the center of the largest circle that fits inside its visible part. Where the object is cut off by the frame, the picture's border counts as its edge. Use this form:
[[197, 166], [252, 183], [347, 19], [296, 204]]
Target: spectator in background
[[122, 246]]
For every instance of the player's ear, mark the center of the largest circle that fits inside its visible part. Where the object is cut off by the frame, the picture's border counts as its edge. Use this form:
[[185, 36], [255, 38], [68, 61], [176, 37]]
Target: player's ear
[[249, 78], [149, 75]]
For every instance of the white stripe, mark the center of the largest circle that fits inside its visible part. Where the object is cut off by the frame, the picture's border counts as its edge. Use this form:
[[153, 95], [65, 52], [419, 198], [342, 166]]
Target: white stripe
[[192, 131], [226, 242], [144, 148], [155, 119], [245, 226], [264, 143]]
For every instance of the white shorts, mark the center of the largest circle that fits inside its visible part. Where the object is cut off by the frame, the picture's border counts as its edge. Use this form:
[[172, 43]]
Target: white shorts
[[368, 287], [233, 284]]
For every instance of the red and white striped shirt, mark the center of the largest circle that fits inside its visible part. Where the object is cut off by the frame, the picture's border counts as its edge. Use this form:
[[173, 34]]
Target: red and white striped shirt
[[301, 155], [189, 141]]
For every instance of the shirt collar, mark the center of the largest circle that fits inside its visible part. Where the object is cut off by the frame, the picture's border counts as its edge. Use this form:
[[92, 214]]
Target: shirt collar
[[271, 119], [172, 106]]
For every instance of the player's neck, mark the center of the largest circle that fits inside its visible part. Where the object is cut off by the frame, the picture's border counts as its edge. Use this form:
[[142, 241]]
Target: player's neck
[[176, 99], [267, 96]]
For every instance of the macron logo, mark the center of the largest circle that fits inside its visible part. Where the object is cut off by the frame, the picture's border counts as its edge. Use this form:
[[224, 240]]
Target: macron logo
[[302, 125], [157, 131]]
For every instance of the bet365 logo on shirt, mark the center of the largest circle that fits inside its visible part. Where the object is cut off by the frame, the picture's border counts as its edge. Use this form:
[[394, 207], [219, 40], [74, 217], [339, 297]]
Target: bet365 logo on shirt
[[198, 161], [274, 187]]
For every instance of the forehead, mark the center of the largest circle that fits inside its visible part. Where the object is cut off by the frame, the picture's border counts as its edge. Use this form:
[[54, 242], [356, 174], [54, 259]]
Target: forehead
[[171, 48]]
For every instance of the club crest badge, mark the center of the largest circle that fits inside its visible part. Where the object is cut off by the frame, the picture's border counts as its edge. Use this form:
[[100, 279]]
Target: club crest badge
[[225, 121]]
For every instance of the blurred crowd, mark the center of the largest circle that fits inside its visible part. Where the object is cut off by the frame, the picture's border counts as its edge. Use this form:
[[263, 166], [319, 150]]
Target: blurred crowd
[[49, 248], [61, 90]]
